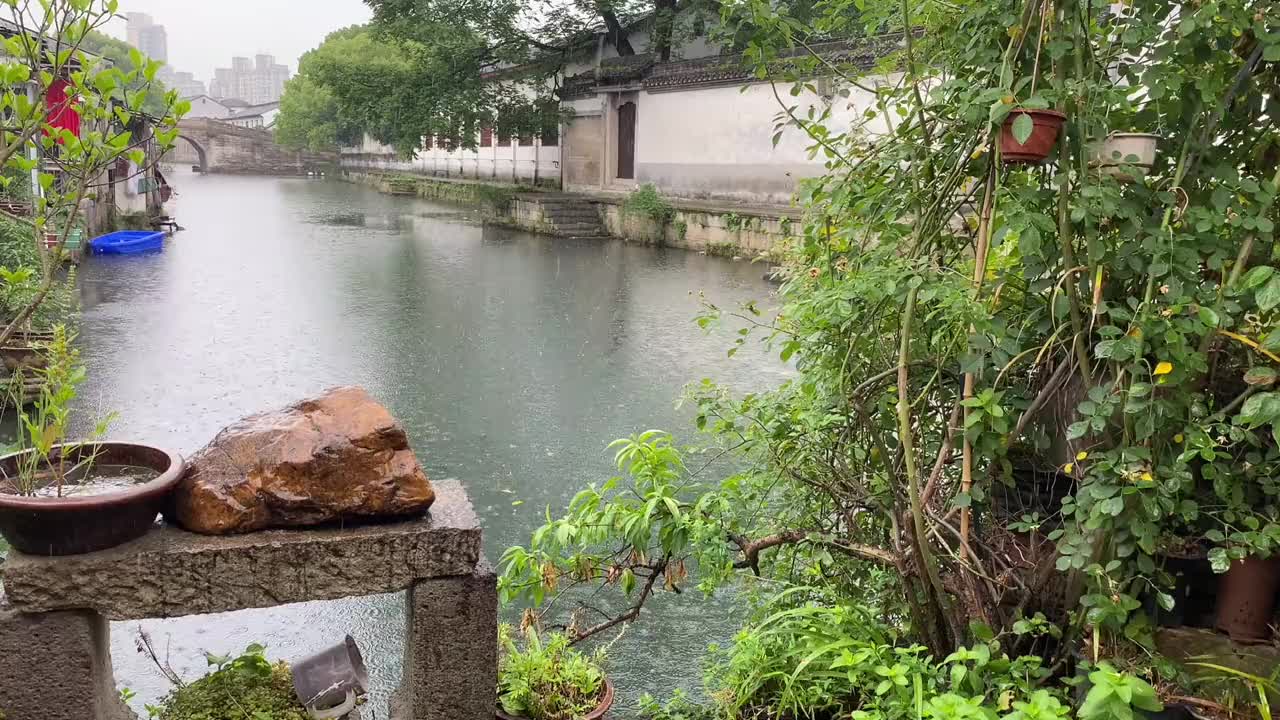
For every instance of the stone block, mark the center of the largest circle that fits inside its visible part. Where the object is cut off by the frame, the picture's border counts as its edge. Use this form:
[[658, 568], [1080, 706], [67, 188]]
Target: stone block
[[171, 572], [451, 649], [56, 666]]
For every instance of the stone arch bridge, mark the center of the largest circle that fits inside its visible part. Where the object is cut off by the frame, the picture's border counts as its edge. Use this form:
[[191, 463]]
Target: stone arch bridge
[[221, 147]]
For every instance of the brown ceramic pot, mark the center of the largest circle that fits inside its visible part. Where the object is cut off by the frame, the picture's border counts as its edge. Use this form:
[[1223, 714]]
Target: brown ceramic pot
[[606, 701], [1044, 134], [1247, 599], [74, 525]]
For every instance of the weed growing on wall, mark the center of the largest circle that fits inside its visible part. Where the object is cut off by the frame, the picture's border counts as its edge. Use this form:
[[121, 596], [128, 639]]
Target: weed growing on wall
[[647, 201]]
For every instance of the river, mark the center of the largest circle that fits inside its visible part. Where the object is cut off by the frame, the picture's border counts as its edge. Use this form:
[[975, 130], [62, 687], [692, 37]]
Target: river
[[512, 360]]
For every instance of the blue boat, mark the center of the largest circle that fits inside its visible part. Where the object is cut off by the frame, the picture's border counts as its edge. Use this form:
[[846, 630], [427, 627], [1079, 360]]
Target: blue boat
[[127, 242]]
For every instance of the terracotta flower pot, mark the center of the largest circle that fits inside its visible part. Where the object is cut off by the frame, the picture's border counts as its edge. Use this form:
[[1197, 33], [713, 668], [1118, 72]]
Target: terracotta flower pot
[[74, 525], [1044, 134], [606, 701], [1247, 599]]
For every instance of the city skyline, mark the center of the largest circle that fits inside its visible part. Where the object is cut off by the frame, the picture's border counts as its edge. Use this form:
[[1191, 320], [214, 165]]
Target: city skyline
[[199, 41]]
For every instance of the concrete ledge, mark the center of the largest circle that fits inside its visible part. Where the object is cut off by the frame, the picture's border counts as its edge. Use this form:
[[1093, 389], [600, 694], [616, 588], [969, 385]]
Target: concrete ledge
[[170, 572]]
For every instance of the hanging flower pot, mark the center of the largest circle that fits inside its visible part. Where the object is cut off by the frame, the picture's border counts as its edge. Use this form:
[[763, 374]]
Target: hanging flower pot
[[1028, 135], [1247, 597], [1126, 154]]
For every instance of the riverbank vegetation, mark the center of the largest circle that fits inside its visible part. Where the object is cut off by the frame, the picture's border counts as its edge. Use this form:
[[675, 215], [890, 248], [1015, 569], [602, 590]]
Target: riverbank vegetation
[[72, 116], [1025, 390]]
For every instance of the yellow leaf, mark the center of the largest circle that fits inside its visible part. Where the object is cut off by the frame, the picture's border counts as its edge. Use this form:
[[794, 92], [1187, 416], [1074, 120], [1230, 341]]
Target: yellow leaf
[[1081, 455], [1164, 368], [1068, 468]]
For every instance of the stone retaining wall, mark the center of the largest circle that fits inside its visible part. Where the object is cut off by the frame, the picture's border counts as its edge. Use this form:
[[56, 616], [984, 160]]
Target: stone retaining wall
[[740, 232]]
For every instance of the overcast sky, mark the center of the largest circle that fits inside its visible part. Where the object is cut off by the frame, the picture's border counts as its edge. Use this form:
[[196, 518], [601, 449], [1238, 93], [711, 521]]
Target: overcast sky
[[204, 35]]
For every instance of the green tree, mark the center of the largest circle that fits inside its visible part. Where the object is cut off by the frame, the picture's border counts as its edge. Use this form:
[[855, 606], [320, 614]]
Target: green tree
[[43, 50], [309, 117], [401, 89]]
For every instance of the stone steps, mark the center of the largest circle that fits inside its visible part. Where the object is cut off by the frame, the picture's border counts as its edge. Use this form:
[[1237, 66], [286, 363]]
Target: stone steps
[[571, 217]]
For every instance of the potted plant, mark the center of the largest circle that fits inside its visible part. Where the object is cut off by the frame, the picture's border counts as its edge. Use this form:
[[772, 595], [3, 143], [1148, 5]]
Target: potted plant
[[1126, 155], [547, 679], [64, 498], [1029, 134]]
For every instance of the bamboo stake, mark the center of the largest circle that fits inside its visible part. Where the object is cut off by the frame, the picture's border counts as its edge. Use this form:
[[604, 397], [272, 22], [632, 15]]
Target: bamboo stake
[[979, 274]]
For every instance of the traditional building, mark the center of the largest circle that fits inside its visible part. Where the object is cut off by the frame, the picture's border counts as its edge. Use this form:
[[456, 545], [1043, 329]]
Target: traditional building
[[702, 126]]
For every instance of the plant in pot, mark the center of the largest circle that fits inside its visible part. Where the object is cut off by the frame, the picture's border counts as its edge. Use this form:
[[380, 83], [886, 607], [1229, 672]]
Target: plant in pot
[[1126, 155], [62, 498], [1028, 131], [1249, 560], [545, 678]]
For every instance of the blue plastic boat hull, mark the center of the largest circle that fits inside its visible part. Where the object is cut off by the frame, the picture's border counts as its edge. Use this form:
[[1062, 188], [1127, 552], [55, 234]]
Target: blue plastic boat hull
[[127, 242]]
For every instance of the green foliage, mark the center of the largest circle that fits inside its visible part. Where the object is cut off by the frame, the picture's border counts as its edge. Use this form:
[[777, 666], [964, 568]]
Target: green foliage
[[1116, 696], [543, 678], [245, 687], [401, 83], [125, 57], [1075, 364], [649, 524], [1259, 687], [646, 201], [42, 427], [496, 198], [805, 655], [678, 707]]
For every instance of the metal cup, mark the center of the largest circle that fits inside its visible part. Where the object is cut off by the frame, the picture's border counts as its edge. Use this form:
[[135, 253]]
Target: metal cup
[[328, 683]]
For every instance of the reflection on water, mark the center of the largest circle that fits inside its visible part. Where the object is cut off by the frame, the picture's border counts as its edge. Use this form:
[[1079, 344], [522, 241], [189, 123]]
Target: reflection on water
[[511, 359]]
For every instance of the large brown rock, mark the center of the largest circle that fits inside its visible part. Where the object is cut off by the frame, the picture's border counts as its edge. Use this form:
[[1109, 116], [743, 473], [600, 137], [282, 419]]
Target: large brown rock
[[335, 457]]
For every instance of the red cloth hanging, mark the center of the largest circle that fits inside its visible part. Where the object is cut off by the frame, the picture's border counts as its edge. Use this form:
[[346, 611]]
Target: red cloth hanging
[[62, 113]]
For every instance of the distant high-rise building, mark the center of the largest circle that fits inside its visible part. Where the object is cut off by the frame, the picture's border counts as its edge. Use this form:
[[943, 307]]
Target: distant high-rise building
[[148, 36], [256, 81], [186, 84], [152, 40], [136, 22]]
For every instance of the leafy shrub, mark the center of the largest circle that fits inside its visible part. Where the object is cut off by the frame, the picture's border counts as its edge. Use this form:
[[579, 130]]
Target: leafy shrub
[[810, 658], [647, 201], [248, 687], [20, 280], [546, 679]]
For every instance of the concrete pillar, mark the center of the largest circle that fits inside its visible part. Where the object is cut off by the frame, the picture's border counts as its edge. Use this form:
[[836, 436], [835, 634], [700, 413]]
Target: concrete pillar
[[56, 666], [451, 649]]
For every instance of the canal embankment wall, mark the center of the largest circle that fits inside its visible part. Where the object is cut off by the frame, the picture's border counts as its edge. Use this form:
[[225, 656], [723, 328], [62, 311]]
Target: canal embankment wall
[[703, 226]]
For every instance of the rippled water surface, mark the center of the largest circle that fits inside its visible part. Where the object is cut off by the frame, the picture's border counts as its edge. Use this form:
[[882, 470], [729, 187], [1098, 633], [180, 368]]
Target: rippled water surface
[[512, 360]]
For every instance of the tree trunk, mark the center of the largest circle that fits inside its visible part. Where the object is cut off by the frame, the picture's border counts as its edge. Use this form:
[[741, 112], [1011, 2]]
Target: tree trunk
[[617, 34], [664, 20]]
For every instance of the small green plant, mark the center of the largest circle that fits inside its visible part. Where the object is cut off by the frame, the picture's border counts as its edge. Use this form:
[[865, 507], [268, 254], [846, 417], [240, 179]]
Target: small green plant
[[42, 429], [648, 202], [496, 198], [243, 687], [1116, 695], [734, 221], [546, 679], [1259, 685]]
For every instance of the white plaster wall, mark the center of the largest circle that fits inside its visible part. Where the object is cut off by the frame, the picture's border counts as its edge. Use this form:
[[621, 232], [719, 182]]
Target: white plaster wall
[[506, 162], [717, 142]]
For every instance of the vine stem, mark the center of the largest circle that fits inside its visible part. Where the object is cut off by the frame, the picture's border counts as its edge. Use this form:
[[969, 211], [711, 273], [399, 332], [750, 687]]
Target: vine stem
[[906, 440]]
